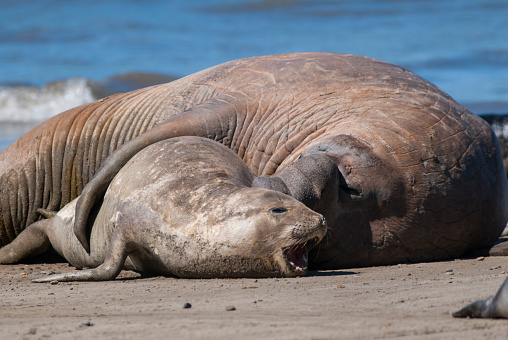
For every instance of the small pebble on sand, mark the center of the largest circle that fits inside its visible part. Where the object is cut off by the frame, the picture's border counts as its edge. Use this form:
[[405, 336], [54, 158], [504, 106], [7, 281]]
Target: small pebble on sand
[[87, 323]]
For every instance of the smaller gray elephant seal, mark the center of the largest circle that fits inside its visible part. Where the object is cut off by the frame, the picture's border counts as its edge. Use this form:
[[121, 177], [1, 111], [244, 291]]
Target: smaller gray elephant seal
[[493, 307], [182, 207]]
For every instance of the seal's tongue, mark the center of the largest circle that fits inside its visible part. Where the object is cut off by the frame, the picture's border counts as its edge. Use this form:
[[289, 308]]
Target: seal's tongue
[[296, 256]]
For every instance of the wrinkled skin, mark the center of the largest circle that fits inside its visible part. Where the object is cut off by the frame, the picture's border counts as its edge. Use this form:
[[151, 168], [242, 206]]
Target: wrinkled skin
[[401, 171], [493, 307], [183, 207]]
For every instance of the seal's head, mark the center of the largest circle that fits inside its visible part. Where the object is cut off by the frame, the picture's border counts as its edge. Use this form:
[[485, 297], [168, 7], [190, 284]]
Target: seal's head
[[255, 232], [268, 233], [290, 230]]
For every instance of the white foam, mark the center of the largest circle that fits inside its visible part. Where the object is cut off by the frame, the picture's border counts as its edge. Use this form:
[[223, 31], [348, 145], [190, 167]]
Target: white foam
[[26, 104]]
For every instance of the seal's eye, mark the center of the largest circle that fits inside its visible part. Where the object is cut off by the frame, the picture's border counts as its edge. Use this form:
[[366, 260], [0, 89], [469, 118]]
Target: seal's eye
[[278, 211]]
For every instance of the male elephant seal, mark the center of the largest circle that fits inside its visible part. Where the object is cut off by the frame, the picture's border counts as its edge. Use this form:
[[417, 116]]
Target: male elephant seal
[[401, 171], [493, 307], [182, 207]]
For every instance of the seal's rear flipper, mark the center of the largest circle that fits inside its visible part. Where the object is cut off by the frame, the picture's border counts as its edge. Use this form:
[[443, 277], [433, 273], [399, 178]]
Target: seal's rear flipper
[[30, 242]]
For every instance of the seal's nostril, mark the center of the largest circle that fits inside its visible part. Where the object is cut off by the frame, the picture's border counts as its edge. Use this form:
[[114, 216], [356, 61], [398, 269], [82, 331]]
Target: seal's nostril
[[322, 221]]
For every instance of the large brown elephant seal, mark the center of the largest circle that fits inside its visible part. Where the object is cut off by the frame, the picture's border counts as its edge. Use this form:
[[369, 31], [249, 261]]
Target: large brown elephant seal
[[182, 207], [401, 171]]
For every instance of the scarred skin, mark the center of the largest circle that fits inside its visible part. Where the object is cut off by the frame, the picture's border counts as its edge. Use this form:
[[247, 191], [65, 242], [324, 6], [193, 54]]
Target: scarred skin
[[401, 171], [183, 207]]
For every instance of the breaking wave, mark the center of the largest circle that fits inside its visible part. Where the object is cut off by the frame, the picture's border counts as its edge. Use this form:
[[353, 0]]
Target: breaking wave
[[21, 104], [26, 104]]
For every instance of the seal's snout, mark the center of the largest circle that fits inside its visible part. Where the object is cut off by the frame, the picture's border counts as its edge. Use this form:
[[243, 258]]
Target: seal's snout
[[305, 236]]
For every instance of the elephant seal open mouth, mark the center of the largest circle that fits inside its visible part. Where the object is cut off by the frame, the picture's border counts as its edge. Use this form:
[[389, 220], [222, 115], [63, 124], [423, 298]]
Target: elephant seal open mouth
[[297, 256], [182, 207]]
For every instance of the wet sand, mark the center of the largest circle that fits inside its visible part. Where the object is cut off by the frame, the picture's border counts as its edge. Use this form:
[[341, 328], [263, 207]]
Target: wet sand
[[403, 301]]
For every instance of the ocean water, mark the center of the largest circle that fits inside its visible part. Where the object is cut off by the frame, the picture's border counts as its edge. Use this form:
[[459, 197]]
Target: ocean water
[[57, 54]]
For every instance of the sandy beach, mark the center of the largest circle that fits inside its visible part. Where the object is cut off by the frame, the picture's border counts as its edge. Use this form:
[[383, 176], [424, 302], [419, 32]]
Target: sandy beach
[[403, 301]]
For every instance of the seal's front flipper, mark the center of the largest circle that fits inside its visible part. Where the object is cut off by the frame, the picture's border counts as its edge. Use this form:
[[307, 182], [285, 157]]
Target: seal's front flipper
[[101, 273], [493, 307], [30, 242], [310, 180], [477, 309], [109, 270]]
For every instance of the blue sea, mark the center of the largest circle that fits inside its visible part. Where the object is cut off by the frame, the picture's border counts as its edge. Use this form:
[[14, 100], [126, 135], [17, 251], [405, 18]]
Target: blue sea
[[57, 54]]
